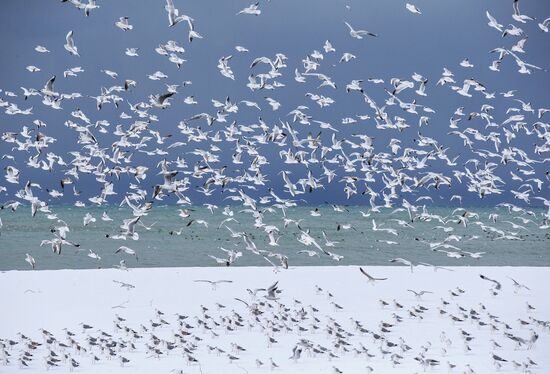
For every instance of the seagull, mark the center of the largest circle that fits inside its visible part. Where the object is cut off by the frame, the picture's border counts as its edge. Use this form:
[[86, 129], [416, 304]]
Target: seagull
[[493, 22], [30, 260], [251, 9], [310, 253], [69, 46], [251, 104], [129, 227], [225, 70], [328, 47], [273, 365], [121, 265], [232, 255], [88, 7], [466, 63], [127, 250], [403, 261], [128, 286], [41, 49], [328, 243], [220, 261], [123, 24], [88, 218], [232, 358], [253, 308], [474, 254], [132, 52], [161, 101], [359, 34], [370, 278], [105, 217], [375, 227], [275, 105], [272, 290], [74, 364], [334, 256], [123, 360], [347, 57], [94, 255], [496, 284], [518, 286], [419, 293], [173, 15], [413, 8], [296, 353], [518, 16], [214, 284]]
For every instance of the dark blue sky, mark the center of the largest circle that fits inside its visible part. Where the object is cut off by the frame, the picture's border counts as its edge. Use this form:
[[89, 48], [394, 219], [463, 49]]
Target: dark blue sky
[[445, 34]]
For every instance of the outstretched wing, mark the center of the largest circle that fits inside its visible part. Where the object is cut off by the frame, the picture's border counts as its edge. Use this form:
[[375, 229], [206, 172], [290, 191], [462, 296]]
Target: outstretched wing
[[516, 7], [273, 287], [162, 98], [69, 38], [242, 301], [369, 276], [365, 273], [49, 84]]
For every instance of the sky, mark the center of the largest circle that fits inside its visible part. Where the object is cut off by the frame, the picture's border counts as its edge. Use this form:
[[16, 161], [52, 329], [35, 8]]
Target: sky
[[445, 34]]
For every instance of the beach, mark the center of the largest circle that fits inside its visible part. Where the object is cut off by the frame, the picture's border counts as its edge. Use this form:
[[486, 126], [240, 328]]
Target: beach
[[63, 299]]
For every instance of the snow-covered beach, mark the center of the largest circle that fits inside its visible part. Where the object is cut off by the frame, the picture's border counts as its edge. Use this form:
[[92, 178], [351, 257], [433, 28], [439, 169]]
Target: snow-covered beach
[[398, 338]]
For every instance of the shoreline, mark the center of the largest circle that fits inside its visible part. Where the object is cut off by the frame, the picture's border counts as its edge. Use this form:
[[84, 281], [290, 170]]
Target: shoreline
[[141, 268]]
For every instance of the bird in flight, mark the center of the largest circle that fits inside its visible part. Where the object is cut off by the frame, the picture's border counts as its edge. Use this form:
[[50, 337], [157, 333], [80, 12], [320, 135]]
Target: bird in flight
[[370, 278], [359, 34]]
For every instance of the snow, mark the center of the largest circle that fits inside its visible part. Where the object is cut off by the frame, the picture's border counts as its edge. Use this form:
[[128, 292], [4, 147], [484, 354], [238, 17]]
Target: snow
[[54, 300]]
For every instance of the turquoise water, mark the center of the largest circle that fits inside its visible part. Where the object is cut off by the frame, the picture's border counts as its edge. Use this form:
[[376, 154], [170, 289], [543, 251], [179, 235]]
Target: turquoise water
[[156, 247]]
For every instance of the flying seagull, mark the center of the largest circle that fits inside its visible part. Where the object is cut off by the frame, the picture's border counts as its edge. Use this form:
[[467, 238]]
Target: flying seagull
[[128, 286], [272, 290], [127, 250], [370, 278], [254, 309], [252, 9], [419, 294], [493, 22], [30, 260], [413, 8], [403, 261], [518, 285], [435, 267], [123, 24], [214, 284], [69, 46], [497, 284], [359, 34]]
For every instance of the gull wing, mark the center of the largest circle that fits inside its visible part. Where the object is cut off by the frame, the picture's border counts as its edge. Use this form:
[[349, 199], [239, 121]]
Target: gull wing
[[369, 276]]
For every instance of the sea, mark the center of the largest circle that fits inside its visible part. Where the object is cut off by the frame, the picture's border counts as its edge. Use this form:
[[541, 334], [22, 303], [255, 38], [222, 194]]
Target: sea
[[159, 244]]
